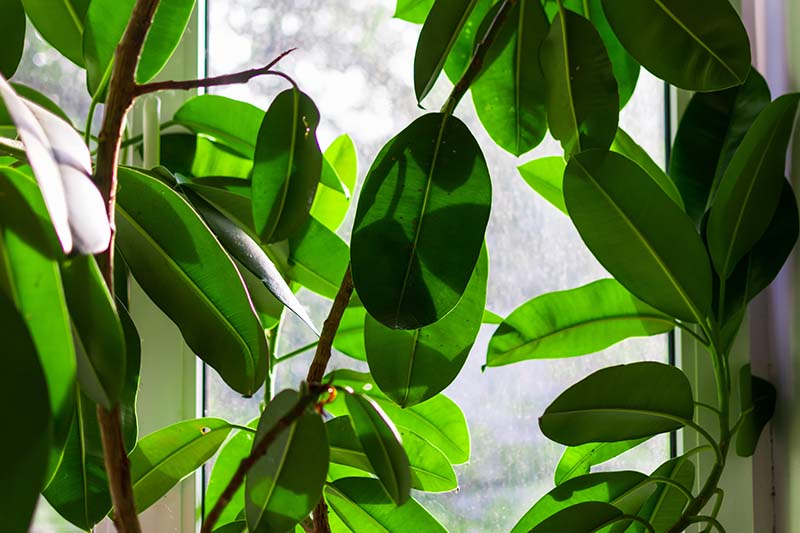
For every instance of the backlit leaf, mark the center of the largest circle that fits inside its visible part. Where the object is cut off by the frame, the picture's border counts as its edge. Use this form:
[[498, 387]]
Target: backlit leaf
[[60, 22], [578, 460], [230, 122], [546, 176]]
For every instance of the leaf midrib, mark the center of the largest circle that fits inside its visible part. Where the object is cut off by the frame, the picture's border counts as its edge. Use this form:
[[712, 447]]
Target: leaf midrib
[[382, 447], [646, 412], [279, 470], [361, 455], [364, 512], [565, 49], [411, 361], [429, 424], [290, 163]]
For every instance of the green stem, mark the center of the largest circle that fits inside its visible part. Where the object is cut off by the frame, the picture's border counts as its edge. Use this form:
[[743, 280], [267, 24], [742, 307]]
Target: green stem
[[242, 428], [672, 483], [293, 353], [101, 89], [688, 329], [628, 518], [710, 520], [720, 494], [709, 407]]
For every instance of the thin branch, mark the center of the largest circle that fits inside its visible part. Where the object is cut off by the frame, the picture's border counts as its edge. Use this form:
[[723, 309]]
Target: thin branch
[[294, 353], [476, 64], [226, 79], [259, 450], [321, 523], [323, 354]]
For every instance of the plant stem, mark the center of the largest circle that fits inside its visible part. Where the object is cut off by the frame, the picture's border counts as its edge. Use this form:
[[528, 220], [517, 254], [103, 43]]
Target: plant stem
[[259, 450], [476, 63], [323, 354], [226, 79], [119, 99], [293, 353]]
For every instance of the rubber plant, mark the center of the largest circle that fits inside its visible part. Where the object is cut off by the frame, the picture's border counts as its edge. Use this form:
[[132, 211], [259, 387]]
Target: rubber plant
[[243, 211]]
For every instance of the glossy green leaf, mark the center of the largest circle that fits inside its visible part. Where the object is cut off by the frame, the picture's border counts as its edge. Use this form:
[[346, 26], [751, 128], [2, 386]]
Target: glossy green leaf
[[239, 526], [700, 56], [631, 226], [100, 339], [578, 460], [24, 457], [60, 22], [225, 465], [420, 222], [620, 403], [584, 516], [12, 36], [286, 484], [710, 131], [430, 469], [464, 46], [340, 163], [268, 308], [751, 186], [163, 458], [491, 318], [574, 322], [106, 21], [757, 398], [509, 93], [230, 195], [349, 337], [245, 250], [317, 259], [608, 487], [31, 279], [230, 122], [438, 420], [437, 38], [413, 10], [382, 445], [666, 504], [625, 145], [287, 166], [413, 366], [363, 505], [582, 97], [162, 240], [546, 176]]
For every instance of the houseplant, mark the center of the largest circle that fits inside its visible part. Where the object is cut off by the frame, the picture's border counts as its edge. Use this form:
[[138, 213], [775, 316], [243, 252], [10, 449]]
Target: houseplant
[[416, 260]]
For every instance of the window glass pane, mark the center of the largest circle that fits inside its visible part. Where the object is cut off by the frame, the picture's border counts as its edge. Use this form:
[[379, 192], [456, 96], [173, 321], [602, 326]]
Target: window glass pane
[[355, 61]]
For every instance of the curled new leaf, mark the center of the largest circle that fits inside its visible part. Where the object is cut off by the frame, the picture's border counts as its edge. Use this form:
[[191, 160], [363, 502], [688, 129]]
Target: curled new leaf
[[757, 398]]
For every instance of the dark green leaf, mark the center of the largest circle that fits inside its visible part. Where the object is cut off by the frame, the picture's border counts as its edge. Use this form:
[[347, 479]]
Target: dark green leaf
[[350, 336], [584, 516], [665, 504], [574, 322], [438, 420], [12, 36], [239, 526], [268, 308], [225, 465], [751, 186], [436, 40], [430, 469], [24, 456], [509, 93], [710, 131], [700, 56], [623, 144], [231, 122], [420, 222], [578, 460], [331, 204], [620, 403], [100, 341], [229, 195], [582, 97], [607, 487], [363, 505], [317, 259], [106, 21], [546, 176], [413, 10], [382, 445], [287, 166], [460, 55], [287, 482], [160, 460], [60, 22], [413, 366], [162, 240], [631, 226], [757, 399]]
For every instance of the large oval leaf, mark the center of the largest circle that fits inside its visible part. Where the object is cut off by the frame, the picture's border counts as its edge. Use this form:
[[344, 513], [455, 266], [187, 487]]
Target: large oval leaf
[[285, 484], [620, 403], [12, 36], [60, 22], [608, 487], [106, 21], [162, 240], [225, 465], [546, 176], [509, 93], [382, 445], [420, 222], [438, 420], [287, 166], [436, 40], [412, 366], [317, 260], [584, 516], [163, 458], [700, 56], [631, 226], [464, 47], [578, 460], [751, 186], [231, 122], [574, 322], [582, 97], [362, 505], [710, 131], [23, 456], [430, 469]]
